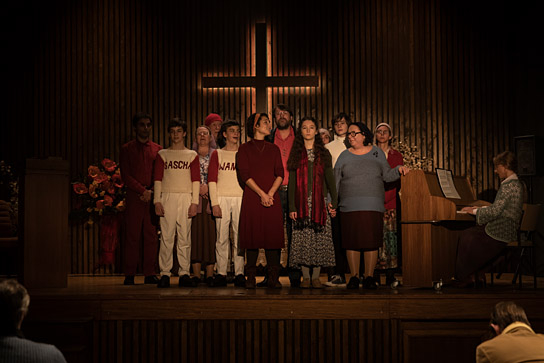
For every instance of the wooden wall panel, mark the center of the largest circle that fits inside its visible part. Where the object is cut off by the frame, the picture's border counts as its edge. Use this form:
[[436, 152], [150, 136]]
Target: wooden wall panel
[[266, 341], [238, 340], [436, 70]]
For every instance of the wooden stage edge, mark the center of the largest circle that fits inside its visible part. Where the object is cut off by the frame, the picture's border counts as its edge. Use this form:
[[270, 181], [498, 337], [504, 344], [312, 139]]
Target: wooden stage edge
[[97, 319], [105, 298]]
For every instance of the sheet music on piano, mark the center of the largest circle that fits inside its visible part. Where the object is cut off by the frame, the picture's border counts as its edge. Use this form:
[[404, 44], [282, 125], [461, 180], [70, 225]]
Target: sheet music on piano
[[445, 180]]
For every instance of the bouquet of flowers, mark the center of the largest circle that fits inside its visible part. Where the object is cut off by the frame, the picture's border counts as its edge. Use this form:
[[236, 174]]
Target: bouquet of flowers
[[100, 193], [412, 156]]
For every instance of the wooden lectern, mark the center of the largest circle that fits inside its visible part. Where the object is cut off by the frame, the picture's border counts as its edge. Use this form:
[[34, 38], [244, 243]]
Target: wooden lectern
[[46, 207], [431, 224]]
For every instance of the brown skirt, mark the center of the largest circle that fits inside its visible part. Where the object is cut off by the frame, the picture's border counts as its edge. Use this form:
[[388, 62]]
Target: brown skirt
[[362, 230], [474, 250], [203, 237]]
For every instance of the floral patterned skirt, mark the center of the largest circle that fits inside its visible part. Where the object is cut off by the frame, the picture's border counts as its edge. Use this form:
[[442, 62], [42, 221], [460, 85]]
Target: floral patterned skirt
[[387, 254], [312, 248]]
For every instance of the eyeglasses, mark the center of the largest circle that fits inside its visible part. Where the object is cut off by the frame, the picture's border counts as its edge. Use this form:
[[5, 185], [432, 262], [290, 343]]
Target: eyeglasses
[[203, 133], [382, 132], [353, 133]]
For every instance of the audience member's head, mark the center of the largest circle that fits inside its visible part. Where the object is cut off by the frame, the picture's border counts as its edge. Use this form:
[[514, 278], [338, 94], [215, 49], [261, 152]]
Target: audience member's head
[[14, 301], [505, 313]]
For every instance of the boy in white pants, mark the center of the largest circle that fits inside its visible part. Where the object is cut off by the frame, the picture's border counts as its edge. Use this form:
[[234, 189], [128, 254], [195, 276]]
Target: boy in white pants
[[226, 200], [177, 183]]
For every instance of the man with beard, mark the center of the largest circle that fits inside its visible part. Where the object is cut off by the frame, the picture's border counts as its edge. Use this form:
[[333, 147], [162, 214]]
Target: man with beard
[[137, 158], [283, 135]]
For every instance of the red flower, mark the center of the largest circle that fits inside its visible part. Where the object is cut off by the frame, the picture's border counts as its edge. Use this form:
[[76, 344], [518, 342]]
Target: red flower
[[101, 192], [80, 188], [108, 201], [101, 177], [93, 171], [107, 186], [117, 181], [109, 165]]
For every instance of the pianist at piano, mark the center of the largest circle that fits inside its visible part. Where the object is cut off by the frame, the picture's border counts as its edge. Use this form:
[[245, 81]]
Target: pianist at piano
[[432, 220], [497, 223]]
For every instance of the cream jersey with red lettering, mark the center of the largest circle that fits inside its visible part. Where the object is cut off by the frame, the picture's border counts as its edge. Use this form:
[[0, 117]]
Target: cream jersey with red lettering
[[222, 173], [173, 171]]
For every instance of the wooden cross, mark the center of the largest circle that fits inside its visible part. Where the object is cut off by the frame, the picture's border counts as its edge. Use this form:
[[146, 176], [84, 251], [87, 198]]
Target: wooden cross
[[261, 81]]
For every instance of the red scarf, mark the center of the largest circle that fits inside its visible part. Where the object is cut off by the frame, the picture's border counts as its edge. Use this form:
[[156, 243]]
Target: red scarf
[[318, 218]]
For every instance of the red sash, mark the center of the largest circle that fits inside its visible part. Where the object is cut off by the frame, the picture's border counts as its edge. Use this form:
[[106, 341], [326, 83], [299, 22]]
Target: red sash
[[318, 218]]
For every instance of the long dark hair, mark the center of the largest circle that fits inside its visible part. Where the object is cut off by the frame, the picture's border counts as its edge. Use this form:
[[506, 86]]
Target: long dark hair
[[320, 152]]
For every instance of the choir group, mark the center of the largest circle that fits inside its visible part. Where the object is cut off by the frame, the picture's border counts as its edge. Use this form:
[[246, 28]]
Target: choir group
[[325, 199]]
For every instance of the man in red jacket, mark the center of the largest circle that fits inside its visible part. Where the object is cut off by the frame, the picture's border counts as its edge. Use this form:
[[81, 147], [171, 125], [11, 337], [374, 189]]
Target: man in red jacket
[[136, 161]]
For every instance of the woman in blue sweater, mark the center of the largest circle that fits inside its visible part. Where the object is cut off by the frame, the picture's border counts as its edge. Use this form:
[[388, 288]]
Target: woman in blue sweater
[[360, 172]]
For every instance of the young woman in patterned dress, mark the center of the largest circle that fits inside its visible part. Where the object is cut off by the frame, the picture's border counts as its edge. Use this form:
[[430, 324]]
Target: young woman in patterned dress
[[311, 178]]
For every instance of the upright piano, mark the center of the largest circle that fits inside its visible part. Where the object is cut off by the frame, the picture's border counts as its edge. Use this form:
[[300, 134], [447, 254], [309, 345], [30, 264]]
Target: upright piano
[[431, 224]]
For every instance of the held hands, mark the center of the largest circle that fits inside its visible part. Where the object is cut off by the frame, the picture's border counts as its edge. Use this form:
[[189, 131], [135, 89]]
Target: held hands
[[204, 191], [146, 196], [332, 211], [216, 211], [159, 209], [404, 170], [267, 200], [192, 210]]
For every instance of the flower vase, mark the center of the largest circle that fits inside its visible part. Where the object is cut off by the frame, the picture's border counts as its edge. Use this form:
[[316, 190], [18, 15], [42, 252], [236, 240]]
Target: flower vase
[[109, 238]]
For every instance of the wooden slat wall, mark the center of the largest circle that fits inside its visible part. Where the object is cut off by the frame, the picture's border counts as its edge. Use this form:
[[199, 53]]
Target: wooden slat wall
[[436, 70], [247, 341], [239, 340], [97, 321]]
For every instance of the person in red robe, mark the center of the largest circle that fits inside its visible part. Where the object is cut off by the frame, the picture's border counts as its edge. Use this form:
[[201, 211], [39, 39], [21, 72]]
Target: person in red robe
[[137, 158]]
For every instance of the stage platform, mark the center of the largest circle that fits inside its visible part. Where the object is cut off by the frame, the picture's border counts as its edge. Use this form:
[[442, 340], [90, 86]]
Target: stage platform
[[97, 319]]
